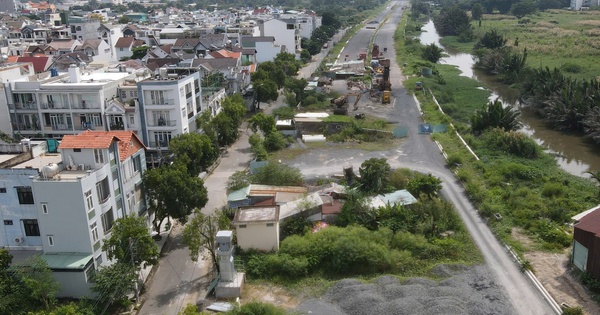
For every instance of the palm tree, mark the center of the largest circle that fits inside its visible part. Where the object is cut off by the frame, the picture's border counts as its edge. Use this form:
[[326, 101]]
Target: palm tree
[[495, 115]]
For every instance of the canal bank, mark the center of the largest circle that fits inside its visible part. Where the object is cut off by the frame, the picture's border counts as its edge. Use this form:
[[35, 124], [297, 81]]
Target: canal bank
[[572, 152]]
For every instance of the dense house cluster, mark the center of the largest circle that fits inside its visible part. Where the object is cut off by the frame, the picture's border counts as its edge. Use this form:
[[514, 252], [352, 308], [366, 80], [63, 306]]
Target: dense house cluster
[[95, 100]]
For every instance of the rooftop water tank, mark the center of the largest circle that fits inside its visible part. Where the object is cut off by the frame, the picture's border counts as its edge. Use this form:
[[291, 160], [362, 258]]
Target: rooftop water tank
[[50, 170]]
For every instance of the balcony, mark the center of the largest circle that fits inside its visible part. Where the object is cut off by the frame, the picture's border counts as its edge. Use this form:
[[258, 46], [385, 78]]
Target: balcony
[[84, 105], [158, 102], [59, 127], [26, 127], [162, 123], [26, 106], [86, 126], [54, 105], [160, 144]]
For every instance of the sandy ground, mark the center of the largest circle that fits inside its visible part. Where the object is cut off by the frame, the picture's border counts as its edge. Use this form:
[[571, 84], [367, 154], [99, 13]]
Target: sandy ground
[[552, 269]]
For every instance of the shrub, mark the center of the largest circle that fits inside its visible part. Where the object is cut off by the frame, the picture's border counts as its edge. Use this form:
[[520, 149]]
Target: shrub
[[553, 189], [274, 141], [455, 159], [571, 67]]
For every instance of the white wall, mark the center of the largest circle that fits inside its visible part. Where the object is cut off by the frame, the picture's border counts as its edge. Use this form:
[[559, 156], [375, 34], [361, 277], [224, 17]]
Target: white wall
[[258, 236]]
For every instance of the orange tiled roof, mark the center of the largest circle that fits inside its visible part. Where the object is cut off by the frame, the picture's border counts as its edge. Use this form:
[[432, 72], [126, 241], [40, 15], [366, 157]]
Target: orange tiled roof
[[224, 53], [129, 143]]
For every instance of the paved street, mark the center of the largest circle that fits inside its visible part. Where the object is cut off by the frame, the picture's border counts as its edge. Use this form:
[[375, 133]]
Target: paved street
[[178, 281]]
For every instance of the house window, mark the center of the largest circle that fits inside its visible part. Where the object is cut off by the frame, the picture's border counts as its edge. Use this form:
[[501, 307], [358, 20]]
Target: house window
[[121, 49], [89, 274], [76, 150], [290, 26], [242, 226], [51, 240], [94, 229], [103, 190], [2, 190], [8, 222], [31, 227], [25, 195], [131, 120], [107, 220], [162, 139], [270, 224], [99, 156], [45, 208], [99, 260], [137, 163], [89, 200]]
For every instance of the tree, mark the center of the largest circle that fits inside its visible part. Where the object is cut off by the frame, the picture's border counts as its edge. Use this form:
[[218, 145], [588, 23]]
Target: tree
[[139, 52], [257, 146], [495, 115], [173, 192], [277, 174], [130, 241], [477, 11], [427, 185], [274, 141], [114, 282], [37, 280], [432, 53], [452, 21], [491, 40], [374, 176], [262, 122], [266, 91], [68, 309], [523, 8], [195, 150], [238, 180], [297, 86], [200, 233]]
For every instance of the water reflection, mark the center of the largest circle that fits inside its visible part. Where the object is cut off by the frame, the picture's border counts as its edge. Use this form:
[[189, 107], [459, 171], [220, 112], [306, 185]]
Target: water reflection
[[573, 153]]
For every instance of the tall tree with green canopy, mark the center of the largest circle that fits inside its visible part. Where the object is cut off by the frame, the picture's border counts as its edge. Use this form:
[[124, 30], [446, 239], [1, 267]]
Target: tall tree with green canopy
[[200, 234], [262, 122], [195, 150], [114, 282], [130, 240], [173, 192], [374, 176], [266, 91], [37, 280]]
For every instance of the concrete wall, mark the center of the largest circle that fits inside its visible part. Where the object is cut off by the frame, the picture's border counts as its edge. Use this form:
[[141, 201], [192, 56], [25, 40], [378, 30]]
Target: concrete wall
[[73, 284], [11, 210]]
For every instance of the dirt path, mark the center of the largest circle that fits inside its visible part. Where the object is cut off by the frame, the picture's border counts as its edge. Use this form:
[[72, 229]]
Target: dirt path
[[552, 269]]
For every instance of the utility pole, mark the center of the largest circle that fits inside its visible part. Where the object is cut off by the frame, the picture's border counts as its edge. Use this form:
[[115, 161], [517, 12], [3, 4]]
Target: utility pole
[[137, 293]]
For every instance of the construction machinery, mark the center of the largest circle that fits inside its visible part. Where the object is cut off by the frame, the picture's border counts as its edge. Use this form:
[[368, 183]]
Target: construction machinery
[[340, 104], [384, 83]]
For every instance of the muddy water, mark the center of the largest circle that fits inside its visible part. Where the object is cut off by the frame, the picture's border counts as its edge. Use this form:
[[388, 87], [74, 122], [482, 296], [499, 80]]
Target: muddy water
[[573, 153]]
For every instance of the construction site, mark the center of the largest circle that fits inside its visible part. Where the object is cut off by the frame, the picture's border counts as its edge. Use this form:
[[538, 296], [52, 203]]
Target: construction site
[[363, 79]]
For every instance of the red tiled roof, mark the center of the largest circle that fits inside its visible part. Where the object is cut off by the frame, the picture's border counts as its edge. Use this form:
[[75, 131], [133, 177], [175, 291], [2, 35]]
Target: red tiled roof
[[39, 63], [590, 223], [224, 53], [129, 143]]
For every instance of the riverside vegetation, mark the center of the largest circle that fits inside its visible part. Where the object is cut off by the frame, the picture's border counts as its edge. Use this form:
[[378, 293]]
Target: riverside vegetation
[[514, 177]]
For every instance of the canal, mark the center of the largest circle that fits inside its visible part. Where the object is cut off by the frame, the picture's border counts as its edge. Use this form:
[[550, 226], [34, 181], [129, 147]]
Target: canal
[[573, 153]]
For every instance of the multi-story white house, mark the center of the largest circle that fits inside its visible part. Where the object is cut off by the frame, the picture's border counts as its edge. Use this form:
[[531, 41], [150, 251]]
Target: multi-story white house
[[61, 104], [62, 206], [169, 105], [285, 32], [10, 72], [77, 201], [265, 47]]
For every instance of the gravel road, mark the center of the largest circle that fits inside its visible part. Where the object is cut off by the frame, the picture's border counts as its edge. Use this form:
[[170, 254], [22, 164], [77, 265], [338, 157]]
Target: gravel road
[[466, 290]]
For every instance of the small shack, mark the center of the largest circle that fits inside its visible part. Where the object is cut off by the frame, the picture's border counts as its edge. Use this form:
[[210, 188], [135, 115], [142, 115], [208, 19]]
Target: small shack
[[257, 227], [586, 242]]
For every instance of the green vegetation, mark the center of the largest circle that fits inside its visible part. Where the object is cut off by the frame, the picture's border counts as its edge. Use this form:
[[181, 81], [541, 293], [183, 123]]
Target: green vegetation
[[513, 177], [251, 308]]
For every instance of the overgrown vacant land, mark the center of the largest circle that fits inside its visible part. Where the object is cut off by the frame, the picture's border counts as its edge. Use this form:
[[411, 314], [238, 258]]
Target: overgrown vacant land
[[568, 40]]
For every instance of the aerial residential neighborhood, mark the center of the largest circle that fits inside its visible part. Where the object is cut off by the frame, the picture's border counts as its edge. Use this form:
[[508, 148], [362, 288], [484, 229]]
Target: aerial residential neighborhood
[[343, 158]]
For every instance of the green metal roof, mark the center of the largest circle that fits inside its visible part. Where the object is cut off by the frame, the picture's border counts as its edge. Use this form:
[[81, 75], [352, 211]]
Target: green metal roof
[[67, 260], [239, 194]]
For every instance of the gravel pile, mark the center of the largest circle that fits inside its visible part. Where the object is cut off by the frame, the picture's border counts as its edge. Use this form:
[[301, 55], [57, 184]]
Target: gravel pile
[[466, 290]]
